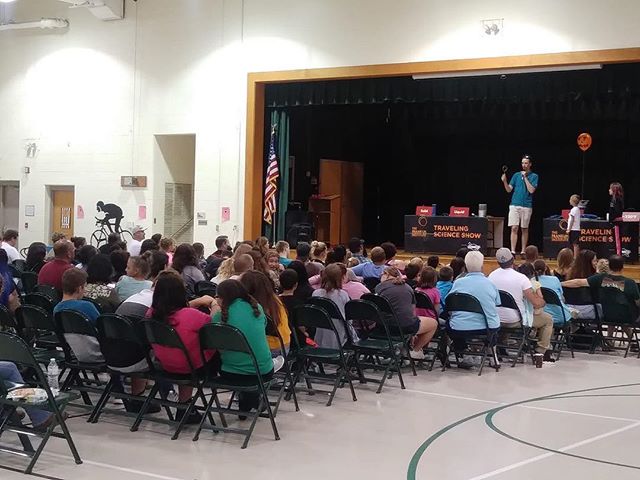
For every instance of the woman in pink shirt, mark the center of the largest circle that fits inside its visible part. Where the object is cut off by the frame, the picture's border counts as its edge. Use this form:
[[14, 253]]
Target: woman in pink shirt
[[170, 305], [427, 285]]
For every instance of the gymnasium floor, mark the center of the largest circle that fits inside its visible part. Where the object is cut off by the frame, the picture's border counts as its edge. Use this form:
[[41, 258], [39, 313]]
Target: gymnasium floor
[[576, 419]]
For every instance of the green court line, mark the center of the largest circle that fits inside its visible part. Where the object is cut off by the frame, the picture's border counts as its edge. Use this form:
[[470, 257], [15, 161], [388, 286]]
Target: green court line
[[415, 459]]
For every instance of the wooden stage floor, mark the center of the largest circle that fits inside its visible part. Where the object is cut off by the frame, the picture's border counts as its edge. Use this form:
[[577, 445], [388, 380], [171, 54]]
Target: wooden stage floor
[[490, 263]]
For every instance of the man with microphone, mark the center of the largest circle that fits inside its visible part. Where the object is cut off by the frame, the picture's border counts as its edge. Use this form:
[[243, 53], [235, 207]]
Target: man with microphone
[[522, 184]]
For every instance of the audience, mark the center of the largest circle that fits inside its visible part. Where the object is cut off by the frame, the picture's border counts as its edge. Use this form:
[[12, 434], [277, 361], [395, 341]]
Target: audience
[[112, 244], [259, 287], [78, 242], [530, 254], [74, 280], [390, 252], [135, 245], [168, 246], [434, 261], [458, 266], [318, 258], [275, 267], [411, 272], [351, 284], [262, 245], [427, 285], [84, 256], [303, 250], [565, 261], [445, 282], [552, 283], [51, 272], [135, 279], [119, 260], [148, 245], [465, 325], [240, 310], [200, 260], [356, 247], [241, 264], [185, 263], [529, 301], [223, 251], [283, 250], [225, 271], [9, 242], [156, 237], [138, 304], [403, 302], [8, 293], [331, 288], [304, 290], [35, 257], [373, 269], [99, 286], [584, 265]]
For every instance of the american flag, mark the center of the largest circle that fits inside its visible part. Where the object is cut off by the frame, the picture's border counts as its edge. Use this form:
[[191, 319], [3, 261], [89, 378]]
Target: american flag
[[271, 181]]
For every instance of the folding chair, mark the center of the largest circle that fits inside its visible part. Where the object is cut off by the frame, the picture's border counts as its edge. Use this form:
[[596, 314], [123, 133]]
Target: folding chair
[[440, 337], [48, 290], [385, 309], [582, 296], [118, 334], [29, 281], [464, 302], [14, 349], [205, 287], [41, 332], [371, 283], [283, 380], [312, 316], [39, 300], [161, 334], [621, 317], [230, 339], [76, 328], [386, 347], [562, 338], [20, 265], [519, 334]]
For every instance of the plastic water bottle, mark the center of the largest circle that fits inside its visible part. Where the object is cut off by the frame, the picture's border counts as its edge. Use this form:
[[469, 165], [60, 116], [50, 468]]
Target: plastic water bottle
[[52, 376]]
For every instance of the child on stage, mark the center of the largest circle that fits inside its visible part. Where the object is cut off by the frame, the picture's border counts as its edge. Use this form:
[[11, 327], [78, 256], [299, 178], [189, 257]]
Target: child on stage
[[573, 228]]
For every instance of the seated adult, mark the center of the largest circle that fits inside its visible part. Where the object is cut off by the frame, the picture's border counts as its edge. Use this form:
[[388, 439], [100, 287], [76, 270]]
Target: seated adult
[[185, 263], [9, 242], [8, 292], [169, 305], [304, 290], [259, 287], [55, 238], [148, 245], [458, 267], [241, 264], [35, 257], [530, 254], [584, 266], [402, 299], [112, 243], [601, 282], [565, 261], [51, 273], [84, 256], [99, 286], [466, 325], [529, 302], [85, 348], [373, 269], [135, 245], [135, 279], [240, 310], [303, 250], [318, 260], [331, 288], [552, 283], [223, 251], [41, 419], [119, 260]]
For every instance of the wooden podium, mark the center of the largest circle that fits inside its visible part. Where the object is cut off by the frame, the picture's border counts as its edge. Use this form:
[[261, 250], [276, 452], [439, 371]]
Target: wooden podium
[[326, 211]]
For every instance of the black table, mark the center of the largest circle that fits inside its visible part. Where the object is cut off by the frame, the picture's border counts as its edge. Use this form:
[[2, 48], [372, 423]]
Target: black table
[[446, 235], [596, 235]]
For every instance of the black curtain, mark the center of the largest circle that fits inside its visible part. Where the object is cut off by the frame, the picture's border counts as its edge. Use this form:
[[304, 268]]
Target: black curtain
[[444, 141]]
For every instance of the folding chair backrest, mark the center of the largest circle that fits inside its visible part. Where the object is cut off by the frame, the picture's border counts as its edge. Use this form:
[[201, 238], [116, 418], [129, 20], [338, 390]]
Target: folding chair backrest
[[464, 302], [15, 272], [507, 301], [29, 281], [36, 318], [371, 283], [271, 330], [48, 290], [328, 305], [382, 303], [616, 307], [216, 336], [423, 301], [20, 265], [39, 300], [70, 321], [205, 287], [578, 296], [98, 303], [550, 296], [361, 313], [14, 349], [313, 316], [116, 332], [159, 333]]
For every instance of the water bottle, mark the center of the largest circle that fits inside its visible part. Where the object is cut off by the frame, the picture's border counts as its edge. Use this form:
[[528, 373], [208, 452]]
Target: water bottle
[[52, 376]]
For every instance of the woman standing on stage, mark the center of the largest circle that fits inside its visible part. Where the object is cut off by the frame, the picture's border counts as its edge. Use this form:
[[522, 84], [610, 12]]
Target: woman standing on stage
[[616, 206]]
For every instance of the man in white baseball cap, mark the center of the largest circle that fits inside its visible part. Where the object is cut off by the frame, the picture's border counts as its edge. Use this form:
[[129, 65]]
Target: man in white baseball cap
[[136, 243]]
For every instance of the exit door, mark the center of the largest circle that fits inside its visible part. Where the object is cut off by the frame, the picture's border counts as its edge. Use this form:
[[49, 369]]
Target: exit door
[[62, 205]]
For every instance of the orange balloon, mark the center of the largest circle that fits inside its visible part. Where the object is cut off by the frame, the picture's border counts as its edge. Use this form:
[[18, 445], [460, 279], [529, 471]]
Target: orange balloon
[[584, 141]]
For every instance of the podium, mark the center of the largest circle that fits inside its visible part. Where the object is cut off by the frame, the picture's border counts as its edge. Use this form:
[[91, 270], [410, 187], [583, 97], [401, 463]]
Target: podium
[[326, 211]]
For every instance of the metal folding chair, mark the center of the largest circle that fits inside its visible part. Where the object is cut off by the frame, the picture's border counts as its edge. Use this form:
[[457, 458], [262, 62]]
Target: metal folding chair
[[582, 296], [562, 332], [519, 334]]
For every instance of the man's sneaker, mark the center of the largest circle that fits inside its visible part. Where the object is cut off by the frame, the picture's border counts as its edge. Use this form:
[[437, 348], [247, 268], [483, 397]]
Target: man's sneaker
[[278, 363], [548, 357], [417, 354]]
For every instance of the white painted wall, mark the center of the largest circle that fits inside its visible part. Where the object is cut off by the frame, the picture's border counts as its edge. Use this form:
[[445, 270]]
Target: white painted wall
[[93, 97]]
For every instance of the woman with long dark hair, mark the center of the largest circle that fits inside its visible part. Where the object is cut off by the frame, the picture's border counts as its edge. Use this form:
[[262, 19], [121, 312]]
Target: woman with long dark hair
[[616, 207], [584, 265], [304, 290], [239, 309], [99, 286], [259, 287], [35, 257], [185, 262], [169, 305]]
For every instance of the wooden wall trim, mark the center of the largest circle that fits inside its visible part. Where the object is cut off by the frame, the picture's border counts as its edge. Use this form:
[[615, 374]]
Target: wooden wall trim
[[257, 81]]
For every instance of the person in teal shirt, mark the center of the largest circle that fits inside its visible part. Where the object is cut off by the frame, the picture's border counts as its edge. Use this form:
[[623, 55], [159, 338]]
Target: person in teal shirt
[[240, 310], [522, 186]]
